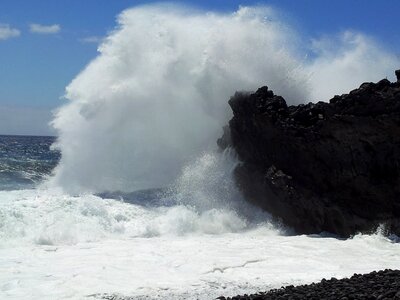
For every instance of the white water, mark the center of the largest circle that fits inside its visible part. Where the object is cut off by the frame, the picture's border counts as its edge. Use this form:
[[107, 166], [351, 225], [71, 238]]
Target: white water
[[60, 247], [203, 200], [146, 113]]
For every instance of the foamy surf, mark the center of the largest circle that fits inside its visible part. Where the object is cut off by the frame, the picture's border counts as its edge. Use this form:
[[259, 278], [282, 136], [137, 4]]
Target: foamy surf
[[57, 246], [203, 200], [176, 266]]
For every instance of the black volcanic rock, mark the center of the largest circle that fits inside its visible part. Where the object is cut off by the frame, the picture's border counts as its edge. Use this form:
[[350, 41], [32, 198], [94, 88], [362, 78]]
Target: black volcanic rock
[[325, 166], [373, 286]]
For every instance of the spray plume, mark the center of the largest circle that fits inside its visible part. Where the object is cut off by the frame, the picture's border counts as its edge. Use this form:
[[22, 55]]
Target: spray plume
[[156, 95]]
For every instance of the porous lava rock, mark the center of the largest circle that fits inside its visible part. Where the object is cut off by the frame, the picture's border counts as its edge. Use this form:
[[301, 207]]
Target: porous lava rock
[[318, 167]]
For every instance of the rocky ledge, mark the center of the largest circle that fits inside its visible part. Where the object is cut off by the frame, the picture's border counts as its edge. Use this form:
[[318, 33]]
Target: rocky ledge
[[330, 167], [373, 286]]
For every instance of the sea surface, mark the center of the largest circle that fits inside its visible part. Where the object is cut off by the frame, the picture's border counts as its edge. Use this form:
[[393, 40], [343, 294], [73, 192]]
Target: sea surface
[[190, 241], [25, 161]]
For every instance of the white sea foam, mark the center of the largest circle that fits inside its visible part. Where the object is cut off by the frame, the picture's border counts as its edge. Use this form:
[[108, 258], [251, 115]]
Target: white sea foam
[[80, 248], [203, 200], [56, 246], [45, 218]]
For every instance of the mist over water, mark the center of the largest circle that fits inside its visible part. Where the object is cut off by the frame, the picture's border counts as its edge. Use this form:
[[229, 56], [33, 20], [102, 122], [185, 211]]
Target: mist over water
[[203, 200], [156, 96]]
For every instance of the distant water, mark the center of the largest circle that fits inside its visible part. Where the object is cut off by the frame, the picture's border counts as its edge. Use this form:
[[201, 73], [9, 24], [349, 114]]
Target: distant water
[[25, 160]]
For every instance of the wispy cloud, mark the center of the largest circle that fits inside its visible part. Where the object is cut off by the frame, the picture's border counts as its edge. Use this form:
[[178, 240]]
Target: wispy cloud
[[91, 39], [7, 32], [44, 29]]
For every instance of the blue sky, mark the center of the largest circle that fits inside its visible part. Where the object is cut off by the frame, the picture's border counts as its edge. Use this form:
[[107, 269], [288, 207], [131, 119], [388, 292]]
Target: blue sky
[[45, 43]]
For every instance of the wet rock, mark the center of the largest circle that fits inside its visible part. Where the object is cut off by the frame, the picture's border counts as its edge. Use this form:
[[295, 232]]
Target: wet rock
[[317, 167]]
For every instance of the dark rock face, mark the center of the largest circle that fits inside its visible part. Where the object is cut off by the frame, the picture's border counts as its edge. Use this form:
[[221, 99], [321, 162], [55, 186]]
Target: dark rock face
[[321, 167], [372, 286]]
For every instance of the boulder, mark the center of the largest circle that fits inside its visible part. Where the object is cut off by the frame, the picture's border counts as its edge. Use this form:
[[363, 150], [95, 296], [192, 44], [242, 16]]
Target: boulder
[[316, 167]]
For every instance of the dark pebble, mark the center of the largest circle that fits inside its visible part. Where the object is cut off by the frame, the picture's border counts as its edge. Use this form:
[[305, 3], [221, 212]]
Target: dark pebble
[[373, 286]]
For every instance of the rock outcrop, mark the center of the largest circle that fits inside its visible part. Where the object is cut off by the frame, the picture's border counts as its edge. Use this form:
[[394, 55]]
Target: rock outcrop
[[331, 167]]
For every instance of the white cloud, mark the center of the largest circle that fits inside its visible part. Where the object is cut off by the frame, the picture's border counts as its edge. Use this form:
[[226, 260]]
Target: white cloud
[[92, 39], [7, 32], [44, 29]]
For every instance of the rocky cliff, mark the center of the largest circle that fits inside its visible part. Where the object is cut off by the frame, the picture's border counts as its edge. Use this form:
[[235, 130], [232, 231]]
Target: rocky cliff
[[317, 167]]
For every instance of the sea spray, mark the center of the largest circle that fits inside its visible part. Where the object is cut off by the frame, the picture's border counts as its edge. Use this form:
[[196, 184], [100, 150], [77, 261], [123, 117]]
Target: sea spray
[[202, 200], [156, 96]]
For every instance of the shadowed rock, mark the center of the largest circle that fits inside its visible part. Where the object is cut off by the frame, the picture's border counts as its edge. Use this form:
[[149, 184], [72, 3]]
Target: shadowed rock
[[325, 166]]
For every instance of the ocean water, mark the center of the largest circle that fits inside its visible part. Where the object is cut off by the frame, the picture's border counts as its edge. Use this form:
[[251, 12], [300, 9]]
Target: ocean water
[[25, 161], [133, 198], [196, 239]]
